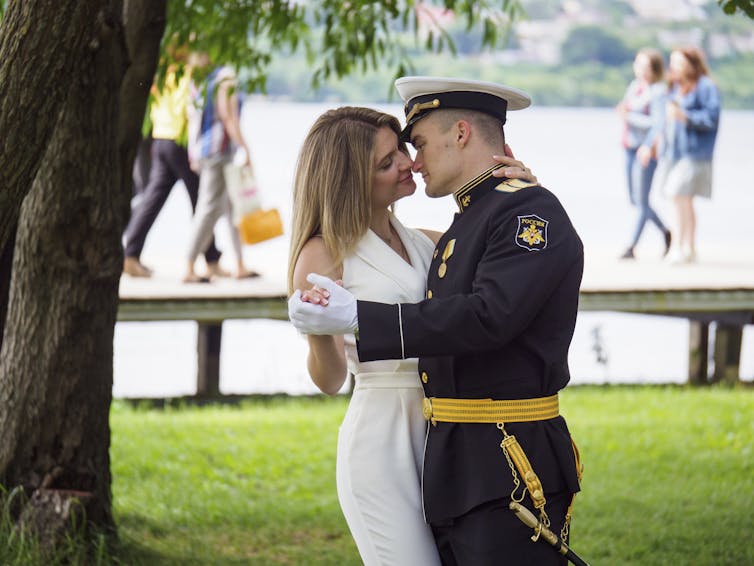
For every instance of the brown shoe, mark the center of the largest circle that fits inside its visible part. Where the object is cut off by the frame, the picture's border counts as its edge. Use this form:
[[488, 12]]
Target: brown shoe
[[133, 267]]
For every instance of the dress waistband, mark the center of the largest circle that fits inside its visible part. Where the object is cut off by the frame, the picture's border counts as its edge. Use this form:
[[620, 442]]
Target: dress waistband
[[387, 380]]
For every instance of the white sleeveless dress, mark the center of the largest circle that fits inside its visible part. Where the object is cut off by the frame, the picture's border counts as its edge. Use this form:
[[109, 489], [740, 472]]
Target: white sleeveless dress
[[381, 440]]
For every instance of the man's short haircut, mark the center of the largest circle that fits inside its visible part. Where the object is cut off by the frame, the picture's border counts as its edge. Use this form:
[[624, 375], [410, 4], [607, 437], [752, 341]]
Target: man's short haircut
[[488, 127]]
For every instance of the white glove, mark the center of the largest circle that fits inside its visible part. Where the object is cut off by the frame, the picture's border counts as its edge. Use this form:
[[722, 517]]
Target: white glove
[[339, 316]]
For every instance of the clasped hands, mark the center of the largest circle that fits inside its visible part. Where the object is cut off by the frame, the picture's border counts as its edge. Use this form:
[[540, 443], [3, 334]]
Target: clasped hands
[[326, 308]]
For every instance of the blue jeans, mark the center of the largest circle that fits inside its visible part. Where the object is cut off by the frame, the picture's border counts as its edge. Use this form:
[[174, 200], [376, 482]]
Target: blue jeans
[[639, 185]]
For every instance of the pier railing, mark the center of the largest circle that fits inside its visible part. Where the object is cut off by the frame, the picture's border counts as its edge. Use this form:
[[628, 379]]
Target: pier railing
[[724, 310]]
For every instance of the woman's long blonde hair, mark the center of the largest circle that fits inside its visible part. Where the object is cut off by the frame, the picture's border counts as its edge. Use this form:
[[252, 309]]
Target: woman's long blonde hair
[[332, 189]]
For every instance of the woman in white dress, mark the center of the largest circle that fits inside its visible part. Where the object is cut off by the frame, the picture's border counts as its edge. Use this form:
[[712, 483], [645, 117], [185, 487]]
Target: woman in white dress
[[351, 169]]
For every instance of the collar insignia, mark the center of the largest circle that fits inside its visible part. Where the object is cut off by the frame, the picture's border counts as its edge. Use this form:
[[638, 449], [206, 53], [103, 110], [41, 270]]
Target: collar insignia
[[475, 186], [532, 233]]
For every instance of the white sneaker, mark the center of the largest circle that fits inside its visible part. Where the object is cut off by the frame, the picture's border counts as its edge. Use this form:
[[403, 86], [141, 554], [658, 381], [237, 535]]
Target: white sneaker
[[680, 257], [675, 256]]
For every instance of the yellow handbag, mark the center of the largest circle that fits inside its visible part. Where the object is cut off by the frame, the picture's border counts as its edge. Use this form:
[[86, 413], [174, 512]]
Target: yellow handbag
[[260, 225]]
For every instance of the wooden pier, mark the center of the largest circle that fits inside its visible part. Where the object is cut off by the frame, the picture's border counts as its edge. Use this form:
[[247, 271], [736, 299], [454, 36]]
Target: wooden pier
[[718, 289]]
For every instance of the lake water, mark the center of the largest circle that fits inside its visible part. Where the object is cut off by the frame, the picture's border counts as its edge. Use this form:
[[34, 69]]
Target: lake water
[[574, 152]]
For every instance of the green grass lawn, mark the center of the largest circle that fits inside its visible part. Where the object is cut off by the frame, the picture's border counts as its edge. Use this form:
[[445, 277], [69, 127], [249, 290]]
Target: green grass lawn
[[230, 485], [669, 479], [669, 475]]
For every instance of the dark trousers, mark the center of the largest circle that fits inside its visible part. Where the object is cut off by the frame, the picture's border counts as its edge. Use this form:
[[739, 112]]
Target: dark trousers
[[491, 534], [169, 164], [142, 165]]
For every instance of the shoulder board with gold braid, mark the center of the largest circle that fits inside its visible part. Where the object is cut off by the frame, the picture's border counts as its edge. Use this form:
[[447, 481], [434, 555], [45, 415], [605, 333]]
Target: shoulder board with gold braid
[[513, 185]]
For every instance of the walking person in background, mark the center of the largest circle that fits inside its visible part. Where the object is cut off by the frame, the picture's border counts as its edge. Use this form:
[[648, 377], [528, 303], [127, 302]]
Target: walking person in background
[[642, 112], [169, 163], [692, 116], [218, 136], [351, 170]]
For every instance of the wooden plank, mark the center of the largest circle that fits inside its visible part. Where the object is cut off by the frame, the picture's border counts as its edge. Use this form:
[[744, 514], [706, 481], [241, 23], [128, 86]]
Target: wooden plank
[[203, 309], [670, 301]]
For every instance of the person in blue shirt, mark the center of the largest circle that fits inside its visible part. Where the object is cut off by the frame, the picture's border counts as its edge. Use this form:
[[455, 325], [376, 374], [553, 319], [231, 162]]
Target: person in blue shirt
[[692, 116], [210, 149]]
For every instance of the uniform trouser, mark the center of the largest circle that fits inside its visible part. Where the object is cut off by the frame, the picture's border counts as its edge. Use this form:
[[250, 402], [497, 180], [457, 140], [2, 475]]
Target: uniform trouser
[[491, 534], [213, 203], [169, 164]]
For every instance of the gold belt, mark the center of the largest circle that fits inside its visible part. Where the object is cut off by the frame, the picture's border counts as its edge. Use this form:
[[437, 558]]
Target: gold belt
[[490, 410]]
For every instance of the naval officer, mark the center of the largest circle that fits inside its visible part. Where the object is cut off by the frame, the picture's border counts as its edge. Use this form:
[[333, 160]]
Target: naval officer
[[492, 335]]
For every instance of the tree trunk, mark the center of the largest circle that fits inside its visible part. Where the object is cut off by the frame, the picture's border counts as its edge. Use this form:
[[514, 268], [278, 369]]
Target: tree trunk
[[40, 52], [56, 362], [56, 359], [31, 96]]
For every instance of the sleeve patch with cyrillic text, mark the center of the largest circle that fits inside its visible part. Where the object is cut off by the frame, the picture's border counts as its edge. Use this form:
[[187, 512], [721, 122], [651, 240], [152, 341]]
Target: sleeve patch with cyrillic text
[[532, 232]]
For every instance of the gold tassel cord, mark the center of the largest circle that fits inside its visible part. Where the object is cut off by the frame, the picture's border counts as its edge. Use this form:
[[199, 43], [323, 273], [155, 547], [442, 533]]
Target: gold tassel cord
[[513, 452]]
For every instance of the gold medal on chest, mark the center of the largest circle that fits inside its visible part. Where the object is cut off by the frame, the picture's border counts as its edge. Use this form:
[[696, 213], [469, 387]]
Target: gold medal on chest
[[449, 248]]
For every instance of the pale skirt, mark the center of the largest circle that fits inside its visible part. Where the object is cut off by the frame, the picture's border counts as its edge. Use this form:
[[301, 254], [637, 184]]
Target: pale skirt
[[684, 177], [379, 470]]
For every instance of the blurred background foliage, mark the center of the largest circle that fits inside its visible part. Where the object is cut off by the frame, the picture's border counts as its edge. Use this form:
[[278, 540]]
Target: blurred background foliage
[[580, 57]]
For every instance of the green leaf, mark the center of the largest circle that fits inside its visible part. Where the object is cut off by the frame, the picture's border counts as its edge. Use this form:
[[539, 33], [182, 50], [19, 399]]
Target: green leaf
[[339, 37]]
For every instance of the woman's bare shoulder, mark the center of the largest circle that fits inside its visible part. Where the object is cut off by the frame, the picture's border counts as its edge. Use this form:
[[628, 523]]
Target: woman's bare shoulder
[[315, 258]]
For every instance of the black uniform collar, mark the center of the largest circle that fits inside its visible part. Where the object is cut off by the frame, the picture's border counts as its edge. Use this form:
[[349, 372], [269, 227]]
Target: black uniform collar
[[476, 188]]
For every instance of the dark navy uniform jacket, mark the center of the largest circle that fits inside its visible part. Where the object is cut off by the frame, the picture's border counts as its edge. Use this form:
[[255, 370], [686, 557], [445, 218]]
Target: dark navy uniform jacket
[[497, 324]]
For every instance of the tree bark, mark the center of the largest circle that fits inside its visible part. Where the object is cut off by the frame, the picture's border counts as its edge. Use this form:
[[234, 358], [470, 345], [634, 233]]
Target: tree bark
[[56, 359], [31, 96], [40, 52]]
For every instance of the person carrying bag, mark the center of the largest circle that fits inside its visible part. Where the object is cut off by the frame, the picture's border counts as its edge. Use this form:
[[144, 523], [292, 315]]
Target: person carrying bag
[[218, 132]]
